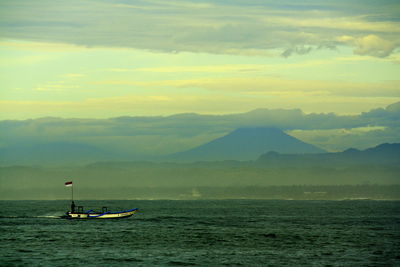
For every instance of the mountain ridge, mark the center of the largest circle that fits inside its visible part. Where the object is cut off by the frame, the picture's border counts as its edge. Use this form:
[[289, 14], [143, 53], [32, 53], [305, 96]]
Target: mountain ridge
[[381, 154]]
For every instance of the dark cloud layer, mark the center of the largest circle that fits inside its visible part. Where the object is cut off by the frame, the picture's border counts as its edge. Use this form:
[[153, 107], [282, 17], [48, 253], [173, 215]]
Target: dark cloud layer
[[241, 27]]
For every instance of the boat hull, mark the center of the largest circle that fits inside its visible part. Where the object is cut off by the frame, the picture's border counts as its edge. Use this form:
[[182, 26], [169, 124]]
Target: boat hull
[[105, 215]]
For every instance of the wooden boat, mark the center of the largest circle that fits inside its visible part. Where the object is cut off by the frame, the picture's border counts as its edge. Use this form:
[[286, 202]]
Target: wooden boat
[[91, 214], [104, 214]]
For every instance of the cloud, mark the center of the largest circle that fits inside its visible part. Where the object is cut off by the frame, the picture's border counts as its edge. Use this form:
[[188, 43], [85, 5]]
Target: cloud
[[343, 138], [374, 46], [74, 75], [297, 50], [203, 69], [40, 46], [56, 86], [370, 45], [221, 27], [195, 69], [171, 103], [272, 86]]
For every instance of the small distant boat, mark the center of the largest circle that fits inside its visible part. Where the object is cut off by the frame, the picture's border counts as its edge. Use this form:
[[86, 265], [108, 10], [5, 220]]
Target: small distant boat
[[91, 214], [104, 214]]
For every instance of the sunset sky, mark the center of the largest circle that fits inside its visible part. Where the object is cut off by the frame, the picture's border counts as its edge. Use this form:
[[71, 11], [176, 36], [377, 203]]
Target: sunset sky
[[99, 59]]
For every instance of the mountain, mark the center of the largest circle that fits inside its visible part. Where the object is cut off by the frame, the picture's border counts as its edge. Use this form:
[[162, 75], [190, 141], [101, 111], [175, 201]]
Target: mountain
[[246, 144]]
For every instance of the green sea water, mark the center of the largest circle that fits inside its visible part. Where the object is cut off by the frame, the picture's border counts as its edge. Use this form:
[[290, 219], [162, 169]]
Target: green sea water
[[203, 233]]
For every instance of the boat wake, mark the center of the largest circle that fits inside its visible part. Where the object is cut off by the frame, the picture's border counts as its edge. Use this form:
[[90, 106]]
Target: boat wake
[[28, 217], [49, 216]]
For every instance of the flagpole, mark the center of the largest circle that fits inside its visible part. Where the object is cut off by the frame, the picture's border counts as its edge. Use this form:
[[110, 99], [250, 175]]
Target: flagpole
[[72, 194]]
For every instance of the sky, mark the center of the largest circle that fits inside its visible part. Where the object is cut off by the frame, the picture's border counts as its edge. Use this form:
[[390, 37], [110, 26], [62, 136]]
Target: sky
[[101, 59]]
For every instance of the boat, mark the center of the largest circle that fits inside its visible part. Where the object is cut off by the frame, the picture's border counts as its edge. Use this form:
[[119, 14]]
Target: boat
[[104, 214], [91, 214]]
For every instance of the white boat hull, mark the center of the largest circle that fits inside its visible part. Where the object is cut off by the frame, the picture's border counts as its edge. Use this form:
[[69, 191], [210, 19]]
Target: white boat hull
[[105, 215]]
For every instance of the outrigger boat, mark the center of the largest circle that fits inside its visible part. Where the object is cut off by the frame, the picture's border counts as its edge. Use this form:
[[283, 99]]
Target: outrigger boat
[[91, 214], [104, 214]]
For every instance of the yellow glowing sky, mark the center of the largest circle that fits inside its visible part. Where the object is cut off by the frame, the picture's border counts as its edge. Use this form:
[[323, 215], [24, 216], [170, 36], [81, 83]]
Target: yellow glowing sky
[[112, 58]]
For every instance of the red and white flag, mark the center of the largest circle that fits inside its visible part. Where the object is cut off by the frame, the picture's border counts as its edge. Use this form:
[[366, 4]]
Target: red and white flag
[[68, 183]]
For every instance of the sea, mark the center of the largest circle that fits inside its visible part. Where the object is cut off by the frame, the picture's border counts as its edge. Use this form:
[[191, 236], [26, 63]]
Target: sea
[[203, 233]]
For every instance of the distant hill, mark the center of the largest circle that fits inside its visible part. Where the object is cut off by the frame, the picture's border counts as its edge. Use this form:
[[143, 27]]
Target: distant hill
[[246, 144], [384, 154], [53, 153], [132, 179]]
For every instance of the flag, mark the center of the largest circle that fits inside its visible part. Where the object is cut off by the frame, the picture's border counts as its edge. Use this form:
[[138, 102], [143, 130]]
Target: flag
[[68, 183]]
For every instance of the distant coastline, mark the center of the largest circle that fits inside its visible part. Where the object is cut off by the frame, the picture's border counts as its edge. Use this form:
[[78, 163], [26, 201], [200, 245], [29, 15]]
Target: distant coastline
[[290, 192]]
